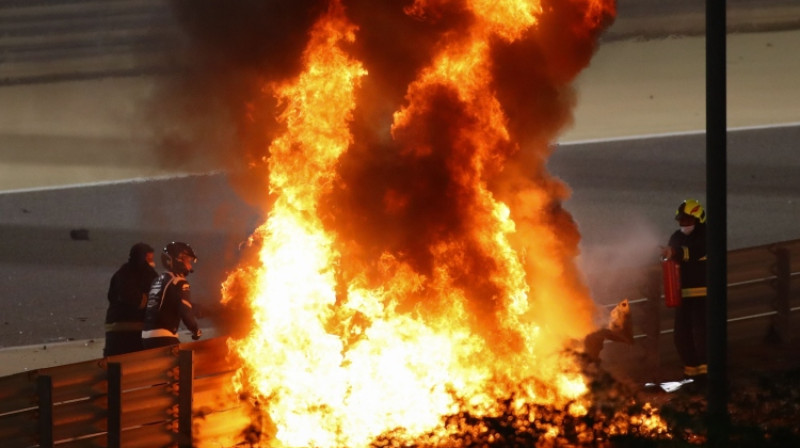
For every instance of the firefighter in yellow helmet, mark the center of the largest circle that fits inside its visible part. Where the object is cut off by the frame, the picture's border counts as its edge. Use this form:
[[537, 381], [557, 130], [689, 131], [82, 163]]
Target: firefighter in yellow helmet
[[687, 246]]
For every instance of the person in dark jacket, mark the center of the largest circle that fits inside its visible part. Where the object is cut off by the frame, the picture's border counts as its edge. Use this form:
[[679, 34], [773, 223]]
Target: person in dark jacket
[[169, 302], [688, 247], [127, 296]]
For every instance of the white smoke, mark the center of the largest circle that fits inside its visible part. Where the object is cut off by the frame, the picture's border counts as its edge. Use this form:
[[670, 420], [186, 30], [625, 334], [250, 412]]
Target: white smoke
[[614, 268]]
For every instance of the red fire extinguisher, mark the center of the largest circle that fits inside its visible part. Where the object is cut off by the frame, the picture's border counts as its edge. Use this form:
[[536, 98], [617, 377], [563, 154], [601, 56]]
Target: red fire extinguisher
[[671, 270]]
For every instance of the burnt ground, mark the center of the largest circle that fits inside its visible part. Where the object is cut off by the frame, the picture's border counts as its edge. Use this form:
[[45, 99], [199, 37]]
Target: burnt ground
[[763, 401], [763, 410]]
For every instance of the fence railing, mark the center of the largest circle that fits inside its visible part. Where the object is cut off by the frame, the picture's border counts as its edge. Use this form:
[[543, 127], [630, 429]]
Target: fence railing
[[168, 396], [183, 396], [763, 304]]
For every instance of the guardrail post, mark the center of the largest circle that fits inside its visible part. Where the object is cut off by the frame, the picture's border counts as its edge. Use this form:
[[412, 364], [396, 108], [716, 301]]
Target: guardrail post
[[652, 324], [185, 397], [114, 410], [44, 390], [778, 332]]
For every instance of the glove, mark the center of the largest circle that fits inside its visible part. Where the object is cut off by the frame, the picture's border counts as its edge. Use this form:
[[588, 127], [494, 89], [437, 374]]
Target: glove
[[196, 335]]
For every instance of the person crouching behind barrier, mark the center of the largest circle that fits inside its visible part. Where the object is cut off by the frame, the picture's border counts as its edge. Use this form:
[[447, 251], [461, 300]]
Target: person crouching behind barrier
[[169, 301]]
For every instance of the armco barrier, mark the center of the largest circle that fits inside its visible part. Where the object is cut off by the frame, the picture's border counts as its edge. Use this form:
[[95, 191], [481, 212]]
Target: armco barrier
[[161, 397], [182, 396]]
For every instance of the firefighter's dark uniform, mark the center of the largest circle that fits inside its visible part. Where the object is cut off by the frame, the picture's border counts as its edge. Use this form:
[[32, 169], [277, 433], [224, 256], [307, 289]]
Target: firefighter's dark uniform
[[690, 316], [168, 303], [127, 295]]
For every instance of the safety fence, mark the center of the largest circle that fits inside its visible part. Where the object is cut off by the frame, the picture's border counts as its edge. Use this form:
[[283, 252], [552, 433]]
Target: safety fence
[[171, 396], [182, 396], [763, 304]]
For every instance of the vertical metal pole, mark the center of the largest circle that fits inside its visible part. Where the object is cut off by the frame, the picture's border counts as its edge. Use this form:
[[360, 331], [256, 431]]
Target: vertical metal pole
[[716, 191], [779, 327], [652, 324], [44, 390], [185, 396], [114, 411]]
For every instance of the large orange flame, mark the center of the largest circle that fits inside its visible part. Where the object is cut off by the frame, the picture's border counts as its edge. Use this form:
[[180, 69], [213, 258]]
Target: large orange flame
[[350, 343]]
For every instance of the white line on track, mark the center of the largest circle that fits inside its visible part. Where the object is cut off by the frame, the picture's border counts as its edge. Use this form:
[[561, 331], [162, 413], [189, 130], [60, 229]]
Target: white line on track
[[560, 144], [674, 134], [111, 182]]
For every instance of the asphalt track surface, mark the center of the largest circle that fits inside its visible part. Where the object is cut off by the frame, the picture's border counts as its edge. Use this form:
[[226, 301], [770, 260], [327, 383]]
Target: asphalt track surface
[[59, 246], [45, 41], [624, 193]]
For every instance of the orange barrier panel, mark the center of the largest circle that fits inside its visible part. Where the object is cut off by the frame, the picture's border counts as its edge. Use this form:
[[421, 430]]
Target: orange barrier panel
[[18, 425], [149, 405], [213, 393], [147, 367], [79, 418], [75, 381], [17, 392], [223, 429]]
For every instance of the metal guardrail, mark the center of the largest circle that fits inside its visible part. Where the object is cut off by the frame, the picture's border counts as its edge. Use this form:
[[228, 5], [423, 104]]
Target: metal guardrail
[[763, 300], [168, 396]]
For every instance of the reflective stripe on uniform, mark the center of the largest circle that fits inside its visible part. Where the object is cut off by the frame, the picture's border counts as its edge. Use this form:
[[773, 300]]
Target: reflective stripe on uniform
[[124, 326], [694, 292], [701, 369], [158, 333]]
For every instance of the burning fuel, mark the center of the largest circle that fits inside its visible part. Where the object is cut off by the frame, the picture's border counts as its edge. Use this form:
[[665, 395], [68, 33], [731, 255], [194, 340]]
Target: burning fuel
[[414, 281]]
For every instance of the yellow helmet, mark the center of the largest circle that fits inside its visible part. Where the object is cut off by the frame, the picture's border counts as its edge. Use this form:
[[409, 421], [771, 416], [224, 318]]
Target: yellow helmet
[[691, 207]]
